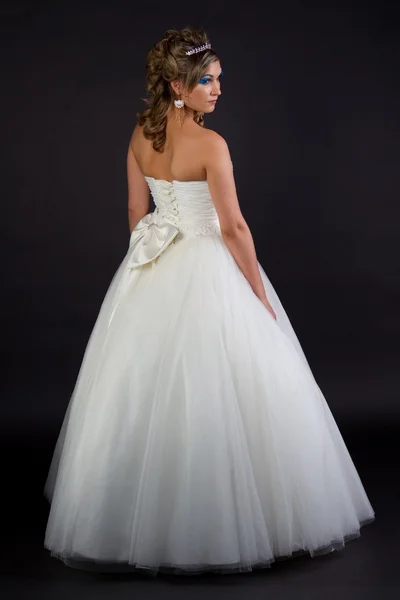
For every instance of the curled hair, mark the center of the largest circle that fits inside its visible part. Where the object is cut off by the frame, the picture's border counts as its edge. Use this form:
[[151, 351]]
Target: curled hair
[[166, 62]]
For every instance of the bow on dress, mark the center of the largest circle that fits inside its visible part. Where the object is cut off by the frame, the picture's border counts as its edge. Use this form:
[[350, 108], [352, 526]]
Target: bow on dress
[[151, 236]]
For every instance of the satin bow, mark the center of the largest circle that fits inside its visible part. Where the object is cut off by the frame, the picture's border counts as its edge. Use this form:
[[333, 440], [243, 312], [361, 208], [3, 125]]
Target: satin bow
[[151, 236]]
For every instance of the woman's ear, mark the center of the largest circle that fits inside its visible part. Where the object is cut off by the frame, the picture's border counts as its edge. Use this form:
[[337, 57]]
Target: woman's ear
[[176, 86]]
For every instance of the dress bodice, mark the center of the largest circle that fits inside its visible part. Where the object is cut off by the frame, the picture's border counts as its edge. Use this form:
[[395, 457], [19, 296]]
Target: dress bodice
[[187, 204], [183, 209]]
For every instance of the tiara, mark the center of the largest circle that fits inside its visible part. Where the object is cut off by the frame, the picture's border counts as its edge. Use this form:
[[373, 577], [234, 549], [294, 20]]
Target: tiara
[[198, 49]]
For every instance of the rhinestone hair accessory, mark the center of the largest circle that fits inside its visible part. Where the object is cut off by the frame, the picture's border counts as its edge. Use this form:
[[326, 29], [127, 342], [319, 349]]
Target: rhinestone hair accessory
[[198, 49]]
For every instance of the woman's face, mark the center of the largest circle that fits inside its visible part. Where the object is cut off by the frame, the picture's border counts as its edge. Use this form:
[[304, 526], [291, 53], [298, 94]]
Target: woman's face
[[205, 94]]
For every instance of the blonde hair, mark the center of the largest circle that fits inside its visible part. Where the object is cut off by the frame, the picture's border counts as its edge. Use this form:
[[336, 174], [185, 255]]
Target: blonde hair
[[166, 62]]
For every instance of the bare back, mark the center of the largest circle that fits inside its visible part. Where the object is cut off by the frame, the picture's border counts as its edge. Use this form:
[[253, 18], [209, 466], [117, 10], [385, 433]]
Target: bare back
[[191, 153], [183, 155]]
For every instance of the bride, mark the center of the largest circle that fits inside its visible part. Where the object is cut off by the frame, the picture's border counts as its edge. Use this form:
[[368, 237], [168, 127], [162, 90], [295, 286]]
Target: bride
[[196, 438]]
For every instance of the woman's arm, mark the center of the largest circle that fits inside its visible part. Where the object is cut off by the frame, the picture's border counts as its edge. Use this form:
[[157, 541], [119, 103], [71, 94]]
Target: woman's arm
[[138, 191], [235, 231]]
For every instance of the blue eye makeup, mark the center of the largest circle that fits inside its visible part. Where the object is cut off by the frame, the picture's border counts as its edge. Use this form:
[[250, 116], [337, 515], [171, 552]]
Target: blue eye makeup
[[204, 80]]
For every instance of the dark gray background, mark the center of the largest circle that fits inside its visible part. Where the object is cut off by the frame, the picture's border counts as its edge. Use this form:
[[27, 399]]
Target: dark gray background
[[310, 109]]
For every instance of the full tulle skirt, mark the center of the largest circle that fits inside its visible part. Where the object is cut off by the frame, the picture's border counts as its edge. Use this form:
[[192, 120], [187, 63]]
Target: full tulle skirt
[[196, 437]]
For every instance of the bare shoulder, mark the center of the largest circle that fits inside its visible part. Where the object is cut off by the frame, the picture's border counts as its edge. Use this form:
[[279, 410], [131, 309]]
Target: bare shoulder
[[137, 134], [138, 129], [213, 139], [213, 146], [139, 145]]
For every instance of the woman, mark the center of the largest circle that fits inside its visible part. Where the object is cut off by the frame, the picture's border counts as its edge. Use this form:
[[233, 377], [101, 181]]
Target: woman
[[196, 438]]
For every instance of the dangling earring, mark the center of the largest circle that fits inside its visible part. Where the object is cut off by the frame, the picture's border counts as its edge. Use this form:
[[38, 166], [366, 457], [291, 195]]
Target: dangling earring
[[180, 113]]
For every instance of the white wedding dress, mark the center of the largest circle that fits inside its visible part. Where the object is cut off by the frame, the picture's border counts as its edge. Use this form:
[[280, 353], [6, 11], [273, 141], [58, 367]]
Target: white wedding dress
[[196, 438]]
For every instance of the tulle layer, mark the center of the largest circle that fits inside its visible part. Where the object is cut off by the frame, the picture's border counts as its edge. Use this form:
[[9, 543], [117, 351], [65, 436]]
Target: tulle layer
[[82, 563], [197, 438]]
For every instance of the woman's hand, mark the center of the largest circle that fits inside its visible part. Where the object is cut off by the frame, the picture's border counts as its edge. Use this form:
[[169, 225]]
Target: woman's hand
[[269, 307]]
